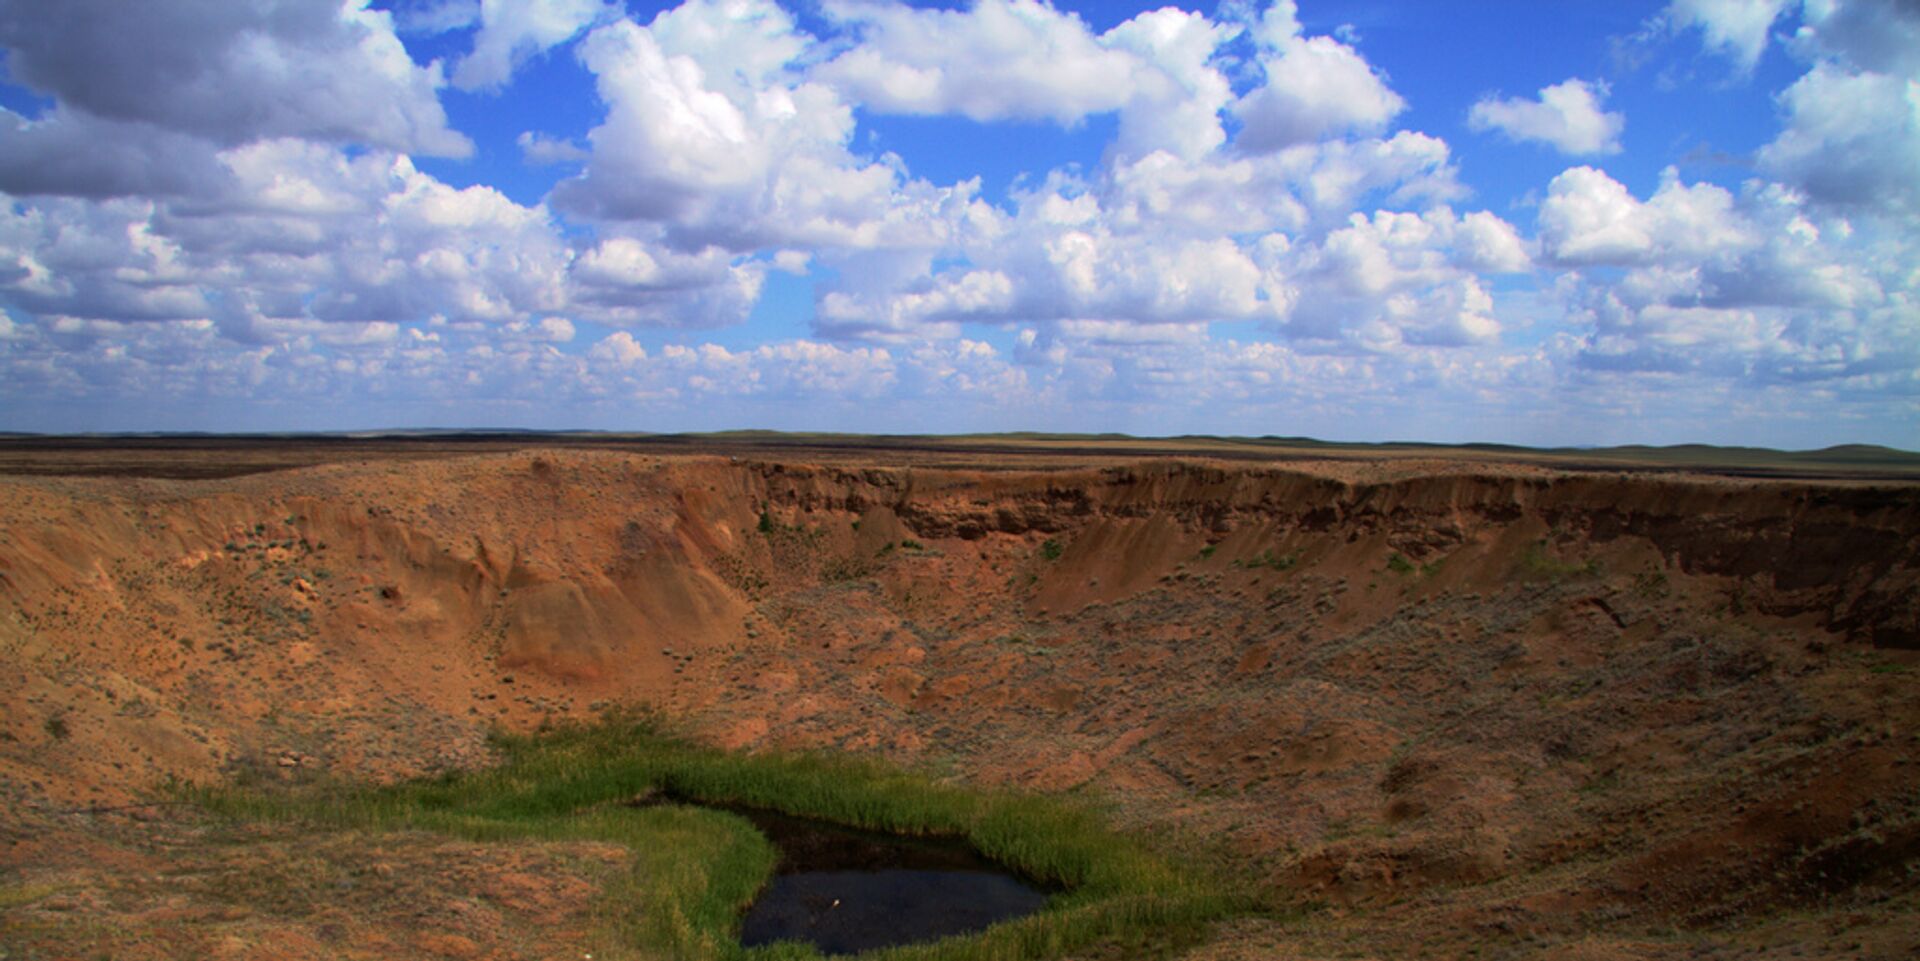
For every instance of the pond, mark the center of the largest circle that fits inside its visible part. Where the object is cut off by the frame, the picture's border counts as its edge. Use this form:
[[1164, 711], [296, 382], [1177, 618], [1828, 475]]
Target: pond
[[844, 890]]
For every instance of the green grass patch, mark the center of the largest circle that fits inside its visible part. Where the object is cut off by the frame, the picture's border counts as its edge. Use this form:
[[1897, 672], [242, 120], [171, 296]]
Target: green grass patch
[[695, 869]]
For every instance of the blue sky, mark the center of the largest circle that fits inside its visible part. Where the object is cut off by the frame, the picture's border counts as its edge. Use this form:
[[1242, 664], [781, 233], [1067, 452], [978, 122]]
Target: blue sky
[[1577, 222]]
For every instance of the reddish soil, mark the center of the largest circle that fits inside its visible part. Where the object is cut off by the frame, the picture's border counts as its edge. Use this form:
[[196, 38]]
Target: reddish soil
[[1440, 708]]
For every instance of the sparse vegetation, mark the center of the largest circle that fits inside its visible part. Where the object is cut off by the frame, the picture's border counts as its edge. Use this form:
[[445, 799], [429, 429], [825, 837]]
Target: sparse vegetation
[[1269, 559], [839, 570], [1651, 584], [1050, 550], [695, 869], [56, 727], [1399, 564], [1538, 564]]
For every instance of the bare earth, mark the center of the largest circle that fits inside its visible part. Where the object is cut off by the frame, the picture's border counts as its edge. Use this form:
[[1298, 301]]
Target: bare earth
[[1442, 707]]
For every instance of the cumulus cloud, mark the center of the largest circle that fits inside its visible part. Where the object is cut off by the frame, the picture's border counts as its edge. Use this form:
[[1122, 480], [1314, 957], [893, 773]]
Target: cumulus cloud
[[1758, 287], [1851, 132], [627, 281], [1566, 116], [539, 148], [513, 31], [1301, 188], [1398, 279], [714, 135], [1851, 138], [619, 348], [1176, 94], [1882, 36], [304, 234], [999, 59], [1026, 60], [1313, 88], [1738, 29], [1588, 218], [932, 308], [233, 72], [1129, 259], [72, 153]]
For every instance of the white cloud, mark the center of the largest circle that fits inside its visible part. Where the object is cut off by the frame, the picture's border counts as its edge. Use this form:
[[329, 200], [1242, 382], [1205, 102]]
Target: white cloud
[[1851, 138], [713, 135], [1589, 218], [302, 233], [1397, 279], [997, 60], [620, 348], [1736, 28], [685, 137], [233, 72], [1293, 189], [556, 329], [1757, 288], [1314, 88], [1176, 92], [513, 31], [1026, 60], [1566, 116], [916, 314], [1882, 36], [538, 148], [1042, 270], [627, 281], [76, 154]]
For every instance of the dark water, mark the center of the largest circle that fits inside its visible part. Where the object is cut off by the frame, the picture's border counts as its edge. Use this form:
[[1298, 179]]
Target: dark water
[[845, 890]]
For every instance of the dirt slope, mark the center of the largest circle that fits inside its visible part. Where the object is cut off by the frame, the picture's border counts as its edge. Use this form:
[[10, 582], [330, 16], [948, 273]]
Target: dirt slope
[[1450, 707]]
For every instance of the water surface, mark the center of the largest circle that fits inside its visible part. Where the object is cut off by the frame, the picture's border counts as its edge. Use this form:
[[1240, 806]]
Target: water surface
[[845, 890]]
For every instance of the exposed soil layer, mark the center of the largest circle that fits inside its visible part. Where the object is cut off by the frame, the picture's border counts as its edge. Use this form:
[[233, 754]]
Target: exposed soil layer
[[1444, 708]]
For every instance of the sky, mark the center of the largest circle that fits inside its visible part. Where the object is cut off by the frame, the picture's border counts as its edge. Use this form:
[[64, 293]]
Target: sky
[[1585, 222]]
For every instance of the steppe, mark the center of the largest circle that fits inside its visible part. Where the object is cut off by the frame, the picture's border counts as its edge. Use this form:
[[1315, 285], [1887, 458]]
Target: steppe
[[1433, 702]]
